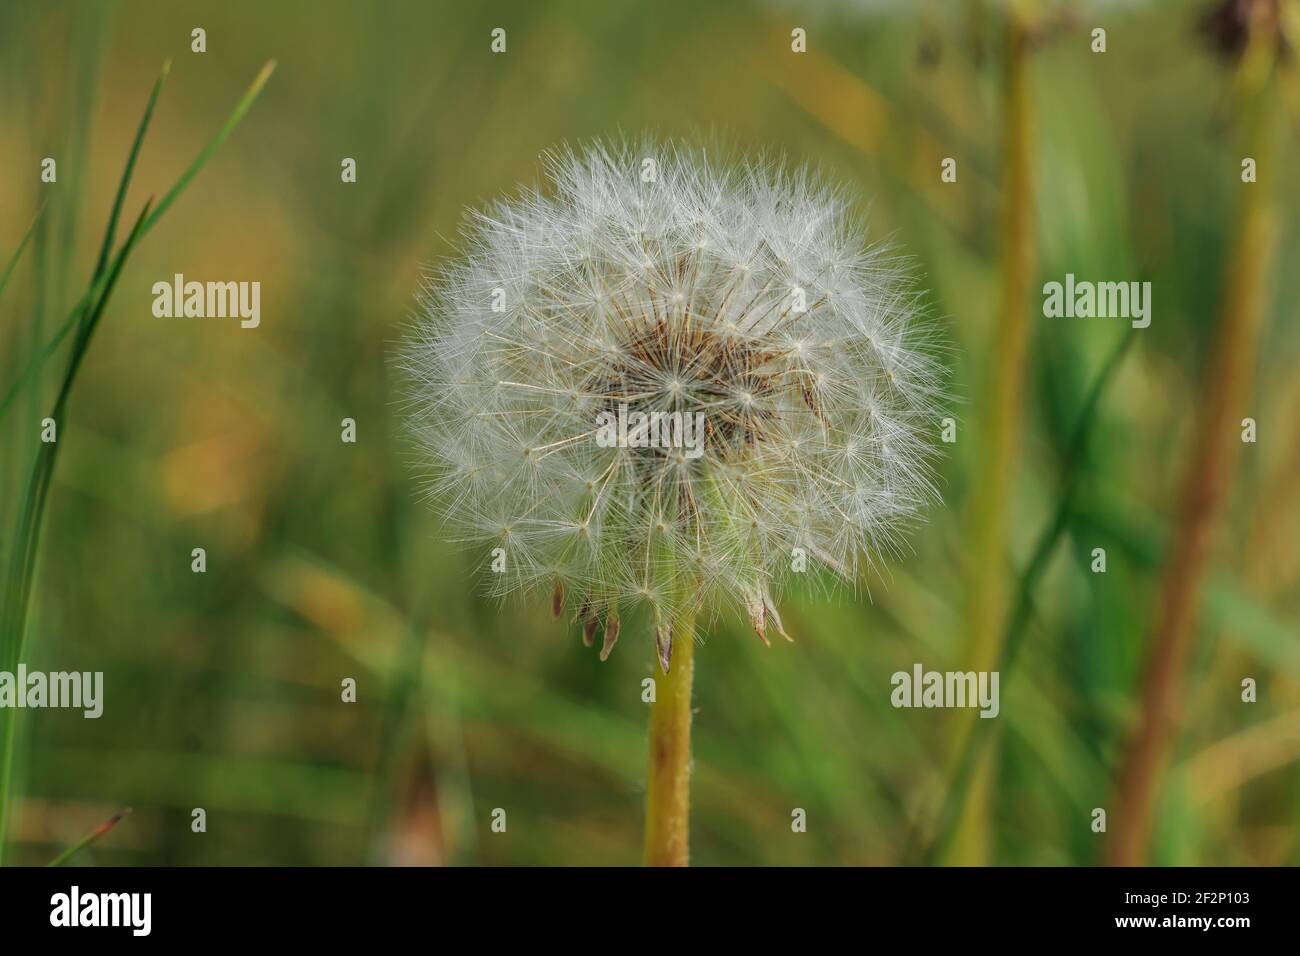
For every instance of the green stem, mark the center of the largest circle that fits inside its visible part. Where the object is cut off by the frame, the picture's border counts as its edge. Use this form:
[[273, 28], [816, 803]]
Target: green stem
[[84, 317], [981, 738], [1004, 401], [89, 838], [668, 794]]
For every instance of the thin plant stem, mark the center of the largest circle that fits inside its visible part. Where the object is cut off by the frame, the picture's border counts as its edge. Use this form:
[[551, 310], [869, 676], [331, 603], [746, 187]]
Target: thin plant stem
[[1017, 625], [668, 791], [92, 837], [1205, 487], [18, 589], [84, 317], [986, 577], [97, 286], [22, 244]]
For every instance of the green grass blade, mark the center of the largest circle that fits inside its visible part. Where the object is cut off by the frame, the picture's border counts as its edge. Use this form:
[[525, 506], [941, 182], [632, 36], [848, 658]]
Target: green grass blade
[[19, 576], [18, 584], [91, 837], [1018, 619], [18, 581], [97, 288], [39, 359], [237, 114], [111, 232], [18, 253]]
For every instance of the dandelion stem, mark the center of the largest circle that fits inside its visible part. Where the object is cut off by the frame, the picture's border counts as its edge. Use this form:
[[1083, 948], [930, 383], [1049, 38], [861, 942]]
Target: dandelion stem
[[668, 794]]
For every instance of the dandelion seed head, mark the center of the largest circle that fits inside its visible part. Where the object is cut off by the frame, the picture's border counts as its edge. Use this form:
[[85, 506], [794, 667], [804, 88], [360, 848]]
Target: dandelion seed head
[[742, 292]]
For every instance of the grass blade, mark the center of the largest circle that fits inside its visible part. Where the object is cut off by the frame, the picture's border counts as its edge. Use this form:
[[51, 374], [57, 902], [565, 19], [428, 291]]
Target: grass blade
[[40, 358], [85, 317], [111, 232], [97, 288], [18, 584], [90, 838], [18, 253], [1018, 619], [237, 114]]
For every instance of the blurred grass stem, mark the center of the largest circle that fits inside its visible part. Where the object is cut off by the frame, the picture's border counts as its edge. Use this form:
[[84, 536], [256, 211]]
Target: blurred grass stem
[[1226, 387], [1003, 416], [84, 318]]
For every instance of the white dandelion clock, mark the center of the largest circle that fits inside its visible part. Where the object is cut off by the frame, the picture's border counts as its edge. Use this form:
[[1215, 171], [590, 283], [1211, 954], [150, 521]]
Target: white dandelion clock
[[672, 392], [669, 384]]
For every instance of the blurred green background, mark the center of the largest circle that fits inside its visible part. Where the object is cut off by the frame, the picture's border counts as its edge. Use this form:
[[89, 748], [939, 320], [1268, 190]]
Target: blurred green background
[[223, 689]]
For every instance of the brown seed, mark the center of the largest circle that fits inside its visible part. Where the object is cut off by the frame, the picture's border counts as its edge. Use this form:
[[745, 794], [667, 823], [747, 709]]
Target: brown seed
[[557, 599], [611, 635], [585, 617], [757, 610], [770, 608], [664, 645]]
